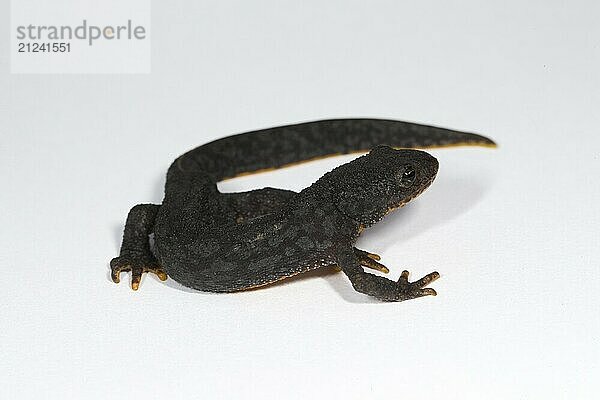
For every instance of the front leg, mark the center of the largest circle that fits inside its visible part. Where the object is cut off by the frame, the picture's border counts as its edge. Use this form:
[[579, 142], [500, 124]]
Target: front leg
[[379, 287], [135, 255]]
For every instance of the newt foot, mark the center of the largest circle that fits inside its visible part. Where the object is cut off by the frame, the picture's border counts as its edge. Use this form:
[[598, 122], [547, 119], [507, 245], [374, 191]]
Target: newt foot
[[137, 268], [370, 260], [412, 290]]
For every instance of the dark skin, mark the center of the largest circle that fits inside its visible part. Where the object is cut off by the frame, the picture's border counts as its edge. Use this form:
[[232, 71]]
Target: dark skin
[[227, 242]]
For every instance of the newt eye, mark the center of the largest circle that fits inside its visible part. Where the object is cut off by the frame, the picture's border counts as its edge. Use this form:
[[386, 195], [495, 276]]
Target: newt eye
[[408, 176]]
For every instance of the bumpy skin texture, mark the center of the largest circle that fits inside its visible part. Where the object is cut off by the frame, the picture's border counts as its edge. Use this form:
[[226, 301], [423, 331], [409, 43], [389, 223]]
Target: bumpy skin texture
[[226, 242]]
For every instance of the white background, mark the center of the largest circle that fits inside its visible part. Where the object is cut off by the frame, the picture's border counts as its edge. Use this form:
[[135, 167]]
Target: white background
[[513, 231]]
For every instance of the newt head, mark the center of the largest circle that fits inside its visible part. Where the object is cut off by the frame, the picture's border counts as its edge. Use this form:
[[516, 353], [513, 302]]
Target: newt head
[[371, 186]]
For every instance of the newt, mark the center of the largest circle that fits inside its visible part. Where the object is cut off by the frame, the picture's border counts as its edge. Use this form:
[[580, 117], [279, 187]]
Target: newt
[[229, 242]]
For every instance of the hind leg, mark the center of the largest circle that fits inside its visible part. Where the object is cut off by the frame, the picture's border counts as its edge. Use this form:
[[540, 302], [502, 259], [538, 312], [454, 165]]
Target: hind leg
[[135, 255]]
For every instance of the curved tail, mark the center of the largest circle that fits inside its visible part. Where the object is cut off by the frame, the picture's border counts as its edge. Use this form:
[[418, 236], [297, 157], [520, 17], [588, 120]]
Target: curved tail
[[284, 145]]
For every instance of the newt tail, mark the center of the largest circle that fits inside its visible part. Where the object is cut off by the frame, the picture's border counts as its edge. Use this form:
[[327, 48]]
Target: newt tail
[[282, 146]]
